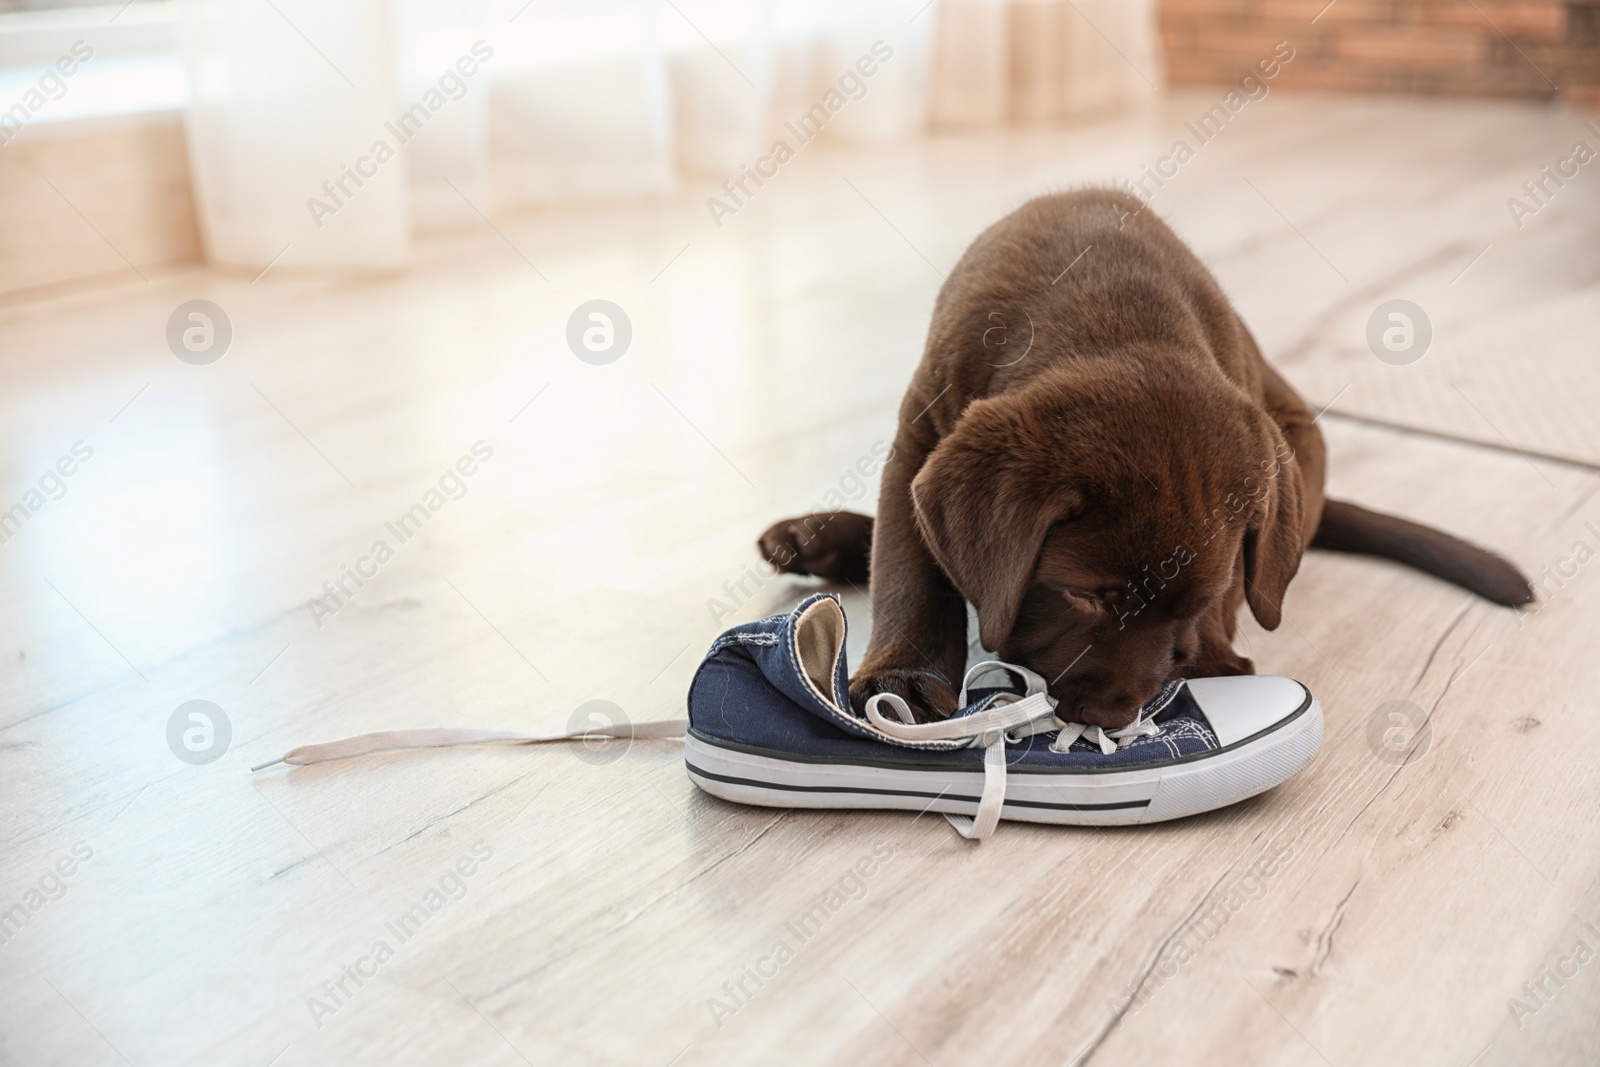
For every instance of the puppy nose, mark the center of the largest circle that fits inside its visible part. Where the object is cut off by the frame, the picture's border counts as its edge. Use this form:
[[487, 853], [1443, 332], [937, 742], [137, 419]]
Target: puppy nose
[[1113, 712], [1117, 708]]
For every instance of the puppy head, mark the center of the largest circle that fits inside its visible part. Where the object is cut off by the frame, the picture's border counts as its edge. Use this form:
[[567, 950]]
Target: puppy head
[[1095, 520]]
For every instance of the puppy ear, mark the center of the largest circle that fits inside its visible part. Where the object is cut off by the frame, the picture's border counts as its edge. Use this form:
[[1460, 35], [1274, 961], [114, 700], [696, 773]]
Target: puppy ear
[[1273, 541], [984, 502]]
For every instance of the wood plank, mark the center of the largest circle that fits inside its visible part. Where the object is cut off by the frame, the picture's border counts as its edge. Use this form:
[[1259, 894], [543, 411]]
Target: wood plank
[[1407, 904]]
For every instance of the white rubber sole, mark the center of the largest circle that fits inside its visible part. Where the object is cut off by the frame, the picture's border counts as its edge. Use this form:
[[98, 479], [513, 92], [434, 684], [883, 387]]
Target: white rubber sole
[[1153, 793]]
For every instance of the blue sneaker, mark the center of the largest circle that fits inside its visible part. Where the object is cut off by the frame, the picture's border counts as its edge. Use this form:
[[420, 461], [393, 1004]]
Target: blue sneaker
[[770, 723]]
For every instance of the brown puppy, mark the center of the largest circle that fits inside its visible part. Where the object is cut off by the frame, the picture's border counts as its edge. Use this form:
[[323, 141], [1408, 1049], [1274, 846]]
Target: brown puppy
[[1094, 453]]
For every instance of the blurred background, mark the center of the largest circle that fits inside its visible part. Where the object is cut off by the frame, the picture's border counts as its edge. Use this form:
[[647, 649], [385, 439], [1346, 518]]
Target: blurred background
[[199, 129]]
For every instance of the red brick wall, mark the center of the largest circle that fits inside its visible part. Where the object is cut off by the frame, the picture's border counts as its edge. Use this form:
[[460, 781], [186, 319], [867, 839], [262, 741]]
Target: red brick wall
[[1462, 47]]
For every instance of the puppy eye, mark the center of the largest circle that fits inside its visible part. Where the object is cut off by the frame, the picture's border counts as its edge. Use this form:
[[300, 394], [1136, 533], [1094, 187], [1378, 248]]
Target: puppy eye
[[1095, 607], [1084, 600]]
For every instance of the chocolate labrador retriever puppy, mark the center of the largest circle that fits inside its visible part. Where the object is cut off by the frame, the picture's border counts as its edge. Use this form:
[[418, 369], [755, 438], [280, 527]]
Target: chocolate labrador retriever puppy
[[1094, 453]]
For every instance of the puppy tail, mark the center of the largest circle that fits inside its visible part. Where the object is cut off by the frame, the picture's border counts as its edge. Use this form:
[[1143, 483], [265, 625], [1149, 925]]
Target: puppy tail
[[1348, 527]]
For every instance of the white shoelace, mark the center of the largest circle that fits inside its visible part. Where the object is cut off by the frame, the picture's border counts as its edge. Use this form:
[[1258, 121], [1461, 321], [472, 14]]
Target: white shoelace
[[1003, 721], [1106, 739], [450, 736], [1010, 718]]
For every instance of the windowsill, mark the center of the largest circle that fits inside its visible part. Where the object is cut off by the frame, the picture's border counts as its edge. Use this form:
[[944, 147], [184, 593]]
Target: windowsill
[[102, 89], [136, 74]]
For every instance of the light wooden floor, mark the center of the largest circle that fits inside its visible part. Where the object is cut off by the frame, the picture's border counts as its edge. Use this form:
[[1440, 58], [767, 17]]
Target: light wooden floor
[[1401, 908]]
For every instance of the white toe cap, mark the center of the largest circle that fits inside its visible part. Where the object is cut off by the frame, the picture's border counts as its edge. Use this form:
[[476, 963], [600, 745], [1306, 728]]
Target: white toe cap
[[1241, 706]]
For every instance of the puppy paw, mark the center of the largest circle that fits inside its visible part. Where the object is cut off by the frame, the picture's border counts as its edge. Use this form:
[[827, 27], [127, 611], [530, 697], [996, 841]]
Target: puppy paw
[[1218, 663], [930, 696], [832, 545]]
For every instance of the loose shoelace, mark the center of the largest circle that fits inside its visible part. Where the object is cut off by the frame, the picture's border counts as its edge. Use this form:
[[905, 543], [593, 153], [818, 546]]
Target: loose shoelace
[[450, 736], [1006, 720]]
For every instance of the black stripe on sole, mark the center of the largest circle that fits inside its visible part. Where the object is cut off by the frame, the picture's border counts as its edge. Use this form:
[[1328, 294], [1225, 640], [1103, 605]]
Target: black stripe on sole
[[1009, 801]]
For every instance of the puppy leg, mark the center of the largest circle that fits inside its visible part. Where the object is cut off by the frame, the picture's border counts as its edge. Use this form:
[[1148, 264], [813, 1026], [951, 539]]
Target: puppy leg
[[918, 648], [1216, 657], [834, 545]]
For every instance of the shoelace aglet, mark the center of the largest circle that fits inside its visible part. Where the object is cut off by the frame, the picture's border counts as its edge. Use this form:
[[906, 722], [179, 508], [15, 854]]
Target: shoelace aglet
[[264, 766]]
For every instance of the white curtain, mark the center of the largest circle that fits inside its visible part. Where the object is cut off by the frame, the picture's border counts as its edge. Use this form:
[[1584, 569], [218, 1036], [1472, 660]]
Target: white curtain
[[325, 134], [283, 96], [1029, 61]]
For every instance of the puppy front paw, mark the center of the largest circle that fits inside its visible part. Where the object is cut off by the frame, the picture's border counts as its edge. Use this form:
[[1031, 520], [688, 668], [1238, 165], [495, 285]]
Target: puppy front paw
[[930, 696]]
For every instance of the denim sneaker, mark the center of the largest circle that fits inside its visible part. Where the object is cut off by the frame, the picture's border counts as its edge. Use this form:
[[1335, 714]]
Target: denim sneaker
[[770, 723]]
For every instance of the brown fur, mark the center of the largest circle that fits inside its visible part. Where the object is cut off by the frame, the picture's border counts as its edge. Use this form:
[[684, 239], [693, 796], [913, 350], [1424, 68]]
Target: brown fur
[[1100, 461]]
